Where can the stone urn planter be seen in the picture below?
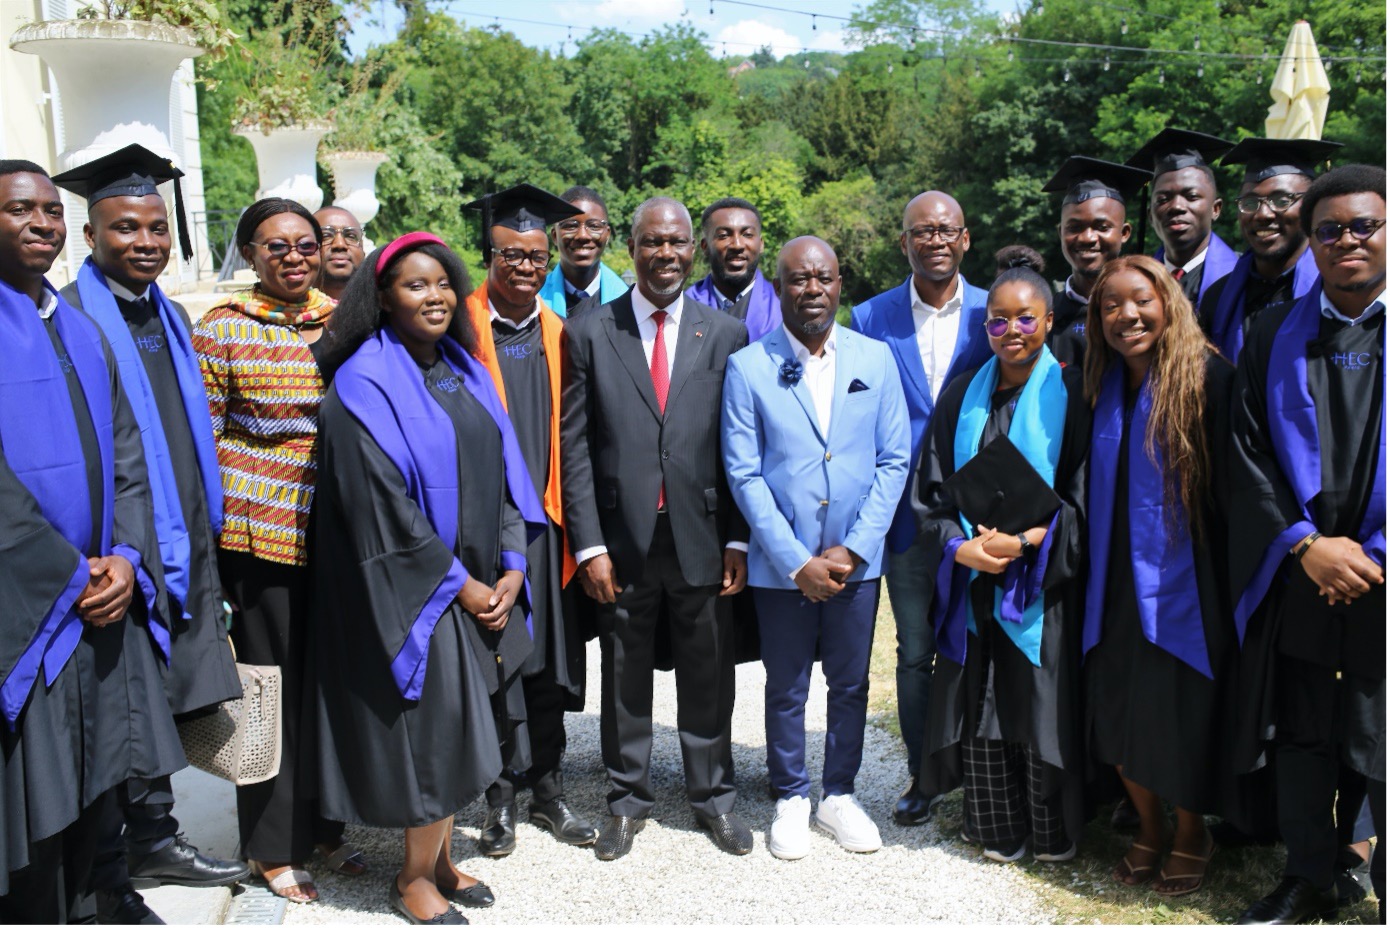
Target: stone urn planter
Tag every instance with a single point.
(114, 78)
(286, 158)
(354, 181)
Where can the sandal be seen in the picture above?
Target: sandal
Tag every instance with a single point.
(1183, 883)
(347, 860)
(284, 883)
(1127, 873)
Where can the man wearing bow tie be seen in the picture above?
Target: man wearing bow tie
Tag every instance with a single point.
(816, 444)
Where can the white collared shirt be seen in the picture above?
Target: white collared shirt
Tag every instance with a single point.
(1331, 312)
(819, 374)
(48, 303)
(129, 296)
(937, 329)
(741, 294)
(590, 290)
(498, 317)
(646, 326)
(1190, 266)
(1071, 291)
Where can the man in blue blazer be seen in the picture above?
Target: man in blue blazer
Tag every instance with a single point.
(934, 324)
(816, 444)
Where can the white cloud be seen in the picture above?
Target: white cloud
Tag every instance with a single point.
(748, 35)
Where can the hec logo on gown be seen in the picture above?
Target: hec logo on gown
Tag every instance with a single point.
(65, 363)
(519, 352)
(1352, 360)
(448, 384)
(151, 343)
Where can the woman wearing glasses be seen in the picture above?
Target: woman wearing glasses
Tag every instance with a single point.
(1003, 539)
(1157, 636)
(258, 351)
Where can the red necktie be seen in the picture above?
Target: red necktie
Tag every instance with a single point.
(1178, 273)
(661, 380)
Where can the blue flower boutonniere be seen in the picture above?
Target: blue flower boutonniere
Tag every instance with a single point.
(791, 372)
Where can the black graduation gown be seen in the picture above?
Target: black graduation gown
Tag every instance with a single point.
(1147, 711)
(1292, 620)
(201, 669)
(1068, 338)
(999, 694)
(1191, 282)
(386, 761)
(1260, 294)
(558, 648)
(105, 719)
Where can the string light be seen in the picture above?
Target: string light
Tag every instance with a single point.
(1160, 75)
(813, 22)
(1124, 25)
(1201, 70)
(1066, 74)
(1106, 66)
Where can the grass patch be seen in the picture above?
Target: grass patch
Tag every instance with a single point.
(1081, 890)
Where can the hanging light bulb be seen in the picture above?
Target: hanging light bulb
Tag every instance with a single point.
(1124, 25)
(1066, 73)
(813, 22)
(1197, 42)
(1011, 54)
(711, 7)
(1106, 66)
(1358, 75)
(1201, 71)
(978, 72)
(1161, 76)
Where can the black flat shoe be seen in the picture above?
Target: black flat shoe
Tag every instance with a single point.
(555, 816)
(729, 832)
(1293, 902)
(477, 896)
(498, 837)
(124, 906)
(914, 809)
(616, 838)
(450, 917)
(182, 864)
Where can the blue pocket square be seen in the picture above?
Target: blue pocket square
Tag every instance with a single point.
(856, 385)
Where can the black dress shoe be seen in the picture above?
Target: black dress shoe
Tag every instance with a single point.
(1293, 902)
(1125, 817)
(615, 840)
(567, 827)
(182, 864)
(477, 896)
(912, 808)
(124, 906)
(451, 916)
(728, 831)
(498, 838)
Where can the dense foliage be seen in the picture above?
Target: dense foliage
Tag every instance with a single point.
(938, 95)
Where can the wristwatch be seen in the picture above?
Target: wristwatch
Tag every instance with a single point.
(1026, 547)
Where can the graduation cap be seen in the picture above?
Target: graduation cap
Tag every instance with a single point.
(1175, 149)
(1266, 158)
(133, 171)
(1083, 178)
(523, 208)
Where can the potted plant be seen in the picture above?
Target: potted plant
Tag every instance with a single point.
(286, 97)
(354, 149)
(142, 41)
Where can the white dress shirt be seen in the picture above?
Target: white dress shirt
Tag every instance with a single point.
(937, 328)
(819, 374)
(1190, 266)
(590, 290)
(1331, 312)
(48, 304)
(1071, 293)
(643, 308)
(495, 316)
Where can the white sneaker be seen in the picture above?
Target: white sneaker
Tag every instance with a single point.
(789, 838)
(844, 818)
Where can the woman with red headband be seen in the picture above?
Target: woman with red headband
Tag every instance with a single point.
(424, 513)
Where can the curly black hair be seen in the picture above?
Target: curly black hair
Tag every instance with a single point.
(359, 314)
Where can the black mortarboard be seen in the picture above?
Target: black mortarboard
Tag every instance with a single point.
(1083, 178)
(1175, 149)
(1265, 158)
(133, 171)
(998, 488)
(523, 208)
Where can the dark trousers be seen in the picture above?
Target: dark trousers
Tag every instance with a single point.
(278, 819)
(53, 888)
(1308, 770)
(910, 583)
(702, 646)
(790, 625)
(545, 728)
(139, 820)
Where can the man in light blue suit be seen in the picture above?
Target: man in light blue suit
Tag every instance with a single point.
(934, 324)
(816, 444)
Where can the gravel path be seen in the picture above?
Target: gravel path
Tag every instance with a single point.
(675, 874)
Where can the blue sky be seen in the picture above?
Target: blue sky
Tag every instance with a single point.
(734, 28)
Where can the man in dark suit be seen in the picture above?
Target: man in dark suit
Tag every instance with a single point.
(652, 524)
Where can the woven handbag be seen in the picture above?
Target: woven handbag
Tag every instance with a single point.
(240, 740)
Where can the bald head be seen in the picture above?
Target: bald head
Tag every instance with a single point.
(808, 288)
(934, 239)
(343, 249)
(663, 207)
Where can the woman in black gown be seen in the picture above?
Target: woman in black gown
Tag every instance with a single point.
(1005, 703)
(424, 505)
(1158, 633)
